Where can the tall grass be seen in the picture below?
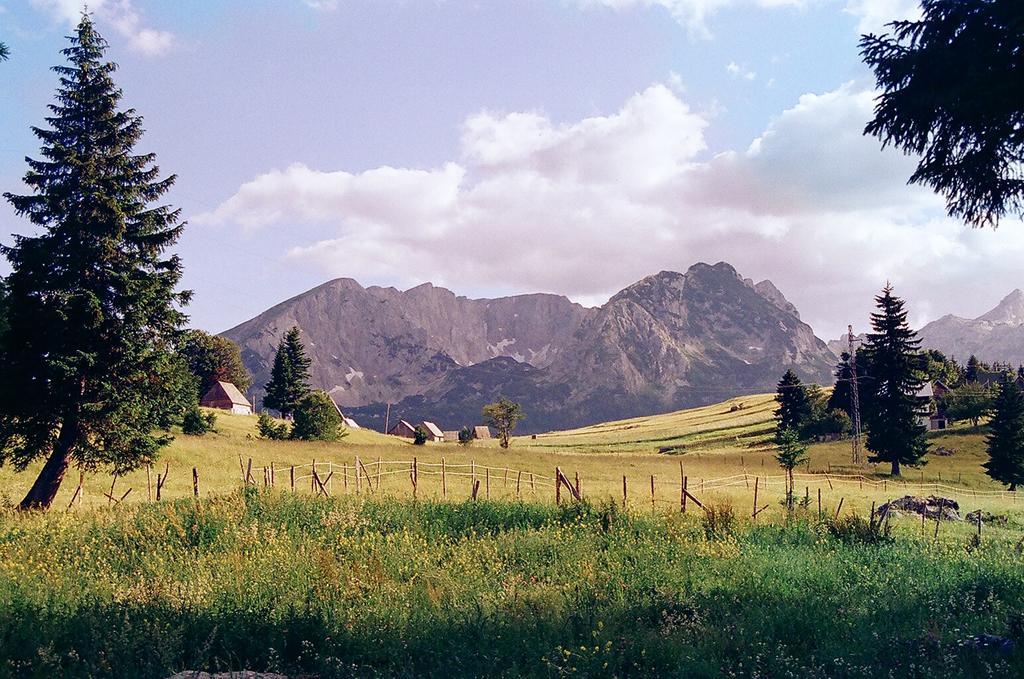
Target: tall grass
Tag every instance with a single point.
(348, 587)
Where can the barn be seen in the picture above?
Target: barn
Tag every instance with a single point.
(481, 432)
(403, 429)
(226, 396)
(434, 432)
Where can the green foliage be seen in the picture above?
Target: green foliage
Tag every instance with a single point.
(269, 428)
(341, 587)
(856, 530)
(794, 405)
(196, 423)
(790, 453)
(317, 418)
(465, 436)
(5, 52)
(419, 436)
(1005, 441)
(970, 401)
(503, 416)
(289, 377)
(937, 367)
(950, 85)
(89, 372)
(894, 433)
(212, 358)
(718, 520)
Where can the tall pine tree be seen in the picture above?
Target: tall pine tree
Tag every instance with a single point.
(794, 404)
(1006, 438)
(894, 433)
(289, 377)
(88, 372)
(841, 397)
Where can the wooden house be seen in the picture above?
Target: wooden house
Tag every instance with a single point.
(403, 429)
(482, 432)
(434, 432)
(226, 396)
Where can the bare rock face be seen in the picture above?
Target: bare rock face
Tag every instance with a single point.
(381, 344)
(668, 341)
(997, 335)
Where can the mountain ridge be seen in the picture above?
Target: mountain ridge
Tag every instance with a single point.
(668, 340)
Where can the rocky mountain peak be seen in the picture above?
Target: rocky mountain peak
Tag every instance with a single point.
(1009, 311)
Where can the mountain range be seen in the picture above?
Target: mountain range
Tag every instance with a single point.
(668, 341)
(997, 335)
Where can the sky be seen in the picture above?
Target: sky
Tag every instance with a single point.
(502, 147)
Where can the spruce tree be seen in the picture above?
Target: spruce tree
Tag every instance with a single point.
(841, 397)
(88, 372)
(289, 377)
(794, 404)
(894, 433)
(1006, 438)
(973, 366)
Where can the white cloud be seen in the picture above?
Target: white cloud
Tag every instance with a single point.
(587, 207)
(737, 71)
(691, 14)
(872, 15)
(120, 14)
(322, 5)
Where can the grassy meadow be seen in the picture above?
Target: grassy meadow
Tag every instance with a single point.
(347, 586)
(373, 583)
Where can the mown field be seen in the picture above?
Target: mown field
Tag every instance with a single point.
(350, 586)
(728, 440)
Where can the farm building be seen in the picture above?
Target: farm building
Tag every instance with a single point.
(225, 396)
(403, 429)
(932, 413)
(481, 432)
(434, 432)
(451, 437)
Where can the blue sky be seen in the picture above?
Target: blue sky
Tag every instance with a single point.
(569, 146)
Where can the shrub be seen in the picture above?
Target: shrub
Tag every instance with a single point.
(317, 418)
(719, 520)
(419, 436)
(855, 529)
(195, 423)
(465, 436)
(269, 428)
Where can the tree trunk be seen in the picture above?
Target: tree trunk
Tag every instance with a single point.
(44, 489)
(895, 468)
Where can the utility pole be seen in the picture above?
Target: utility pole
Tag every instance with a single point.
(854, 395)
(387, 419)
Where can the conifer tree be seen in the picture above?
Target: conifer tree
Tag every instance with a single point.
(1006, 438)
(894, 433)
(88, 372)
(841, 397)
(794, 404)
(973, 366)
(289, 377)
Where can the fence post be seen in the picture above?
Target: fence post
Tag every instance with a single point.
(359, 484)
(819, 504)
(558, 486)
(291, 477)
(533, 486)
(472, 468)
(378, 472)
(625, 495)
(519, 478)
(487, 491)
(757, 483)
(149, 480)
(330, 474)
(578, 493)
(312, 478)
(412, 477)
(195, 481)
(652, 493)
(444, 480)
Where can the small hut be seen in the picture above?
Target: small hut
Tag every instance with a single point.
(226, 396)
(481, 432)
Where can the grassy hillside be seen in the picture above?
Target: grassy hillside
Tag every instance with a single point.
(727, 441)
